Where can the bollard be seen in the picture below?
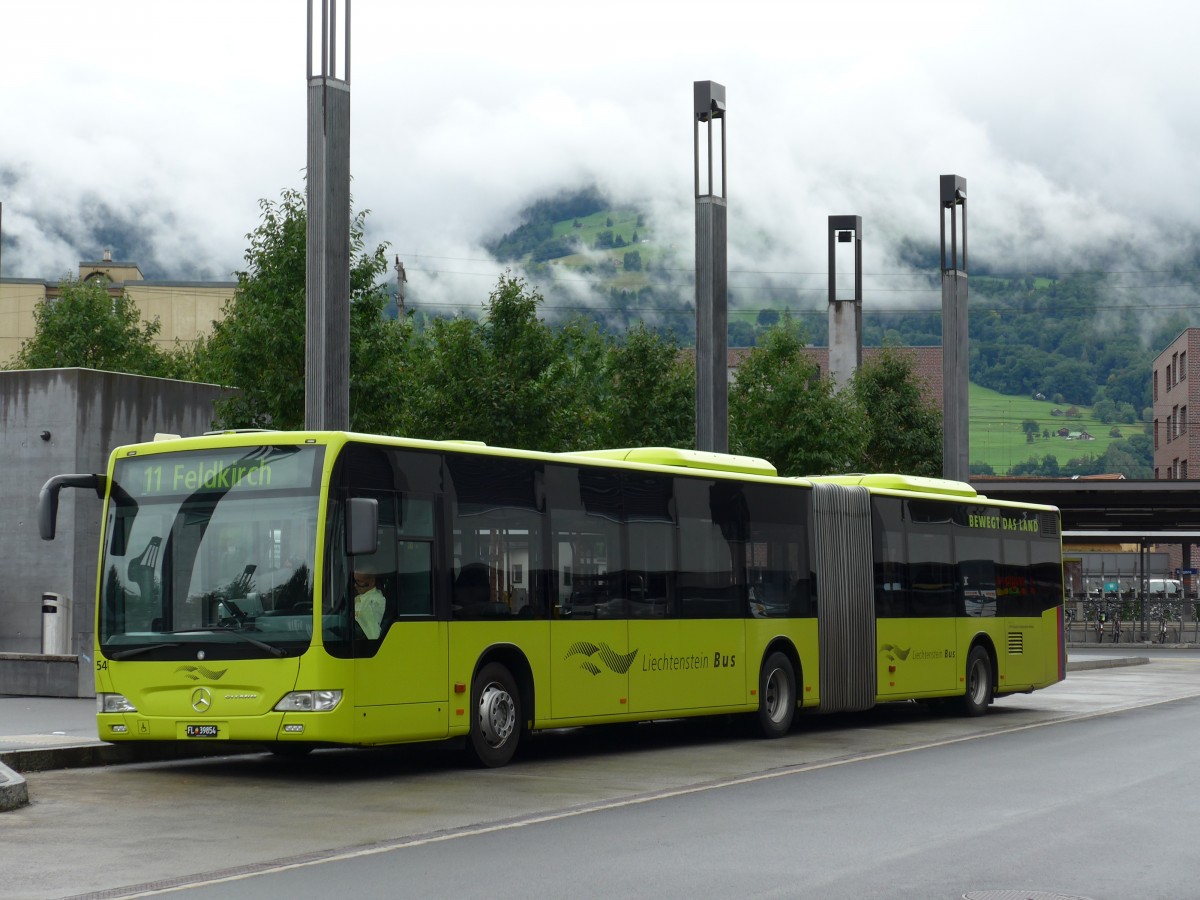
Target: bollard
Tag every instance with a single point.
(56, 624)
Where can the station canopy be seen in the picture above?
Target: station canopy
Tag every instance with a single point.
(1125, 509)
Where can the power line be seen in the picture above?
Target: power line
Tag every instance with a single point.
(867, 314)
(825, 274)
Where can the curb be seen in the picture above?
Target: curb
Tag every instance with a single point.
(1115, 663)
(95, 753)
(13, 791)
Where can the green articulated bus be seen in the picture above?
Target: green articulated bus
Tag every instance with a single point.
(310, 589)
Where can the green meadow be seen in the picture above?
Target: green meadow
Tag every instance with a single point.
(998, 439)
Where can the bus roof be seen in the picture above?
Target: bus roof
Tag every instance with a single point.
(915, 483)
(688, 459)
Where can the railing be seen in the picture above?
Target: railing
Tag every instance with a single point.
(1129, 619)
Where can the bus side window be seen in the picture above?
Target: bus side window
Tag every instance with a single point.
(414, 590)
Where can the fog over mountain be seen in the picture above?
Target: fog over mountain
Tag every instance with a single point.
(154, 129)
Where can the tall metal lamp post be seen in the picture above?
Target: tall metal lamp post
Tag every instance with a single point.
(845, 316)
(712, 316)
(327, 272)
(956, 418)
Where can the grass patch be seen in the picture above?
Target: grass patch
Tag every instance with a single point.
(998, 439)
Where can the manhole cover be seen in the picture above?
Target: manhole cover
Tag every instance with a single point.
(1021, 895)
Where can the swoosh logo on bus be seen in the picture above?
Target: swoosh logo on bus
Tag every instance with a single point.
(616, 662)
(190, 672)
(894, 652)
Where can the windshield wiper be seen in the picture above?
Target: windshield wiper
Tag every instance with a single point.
(134, 651)
(225, 629)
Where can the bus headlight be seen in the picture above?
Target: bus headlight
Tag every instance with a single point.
(113, 703)
(309, 701)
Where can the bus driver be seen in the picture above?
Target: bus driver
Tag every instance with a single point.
(368, 604)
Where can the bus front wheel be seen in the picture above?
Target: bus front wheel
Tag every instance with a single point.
(495, 716)
(776, 696)
(979, 683)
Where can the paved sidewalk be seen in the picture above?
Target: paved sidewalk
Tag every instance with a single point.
(42, 733)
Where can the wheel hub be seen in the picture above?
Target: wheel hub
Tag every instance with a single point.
(497, 714)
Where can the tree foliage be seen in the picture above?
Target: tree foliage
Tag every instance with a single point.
(502, 380)
(258, 346)
(87, 327)
(509, 379)
(783, 410)
(903, 431)
(652, 393)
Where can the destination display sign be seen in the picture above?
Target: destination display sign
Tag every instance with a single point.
(220, 471)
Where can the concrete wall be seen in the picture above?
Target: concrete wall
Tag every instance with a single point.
(56, 421)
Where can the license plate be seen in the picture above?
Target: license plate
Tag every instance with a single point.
(201, 731)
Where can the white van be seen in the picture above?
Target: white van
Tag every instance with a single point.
(1169, 587)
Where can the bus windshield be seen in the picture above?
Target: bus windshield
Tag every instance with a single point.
(210, 550)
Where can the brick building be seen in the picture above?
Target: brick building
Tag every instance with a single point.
(1176, 389)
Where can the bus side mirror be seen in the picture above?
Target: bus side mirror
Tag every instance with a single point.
(362, 526)
(48, 498)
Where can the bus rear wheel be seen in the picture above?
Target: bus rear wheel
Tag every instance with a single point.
(979, 683)
(776, 696)
(495, 716)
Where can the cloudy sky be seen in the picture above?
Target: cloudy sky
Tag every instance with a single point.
(1073, 123)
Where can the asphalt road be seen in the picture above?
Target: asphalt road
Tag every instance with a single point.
(1083, 789)
(1022, 812)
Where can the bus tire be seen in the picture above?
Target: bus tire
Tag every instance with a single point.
(495, 716)
(978, 692)
(776, 696)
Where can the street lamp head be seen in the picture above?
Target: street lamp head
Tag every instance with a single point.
(953, 190)
(709, 100)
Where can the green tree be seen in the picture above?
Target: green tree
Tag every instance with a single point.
(258, 346)
(767, 318)
(781, 409)
(633, 261)
(903, 431)
(87, 327)
(505, 380)
(650, 393)
(1133, 457)
(1031, 428)
(740, 334)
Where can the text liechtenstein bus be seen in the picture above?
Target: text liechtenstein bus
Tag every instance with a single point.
(519, 591)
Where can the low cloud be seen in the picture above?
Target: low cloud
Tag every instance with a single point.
(1075, 134)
